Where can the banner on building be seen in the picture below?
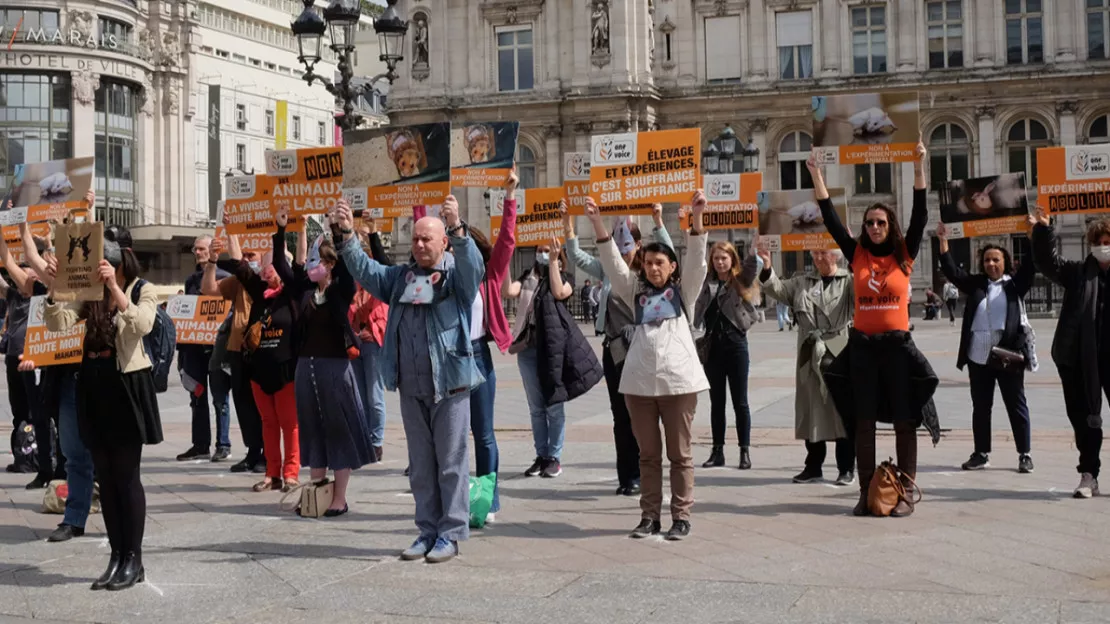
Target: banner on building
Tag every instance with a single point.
(1074, 180)
(731, 202)
(538, 219)
(395, 168)
(214, 173)
(54, 188)
(197, 319)
(792, 221)
(482, 153)
(989, 206)
(576, 181)
(866, 128)
(282, 125)
(47, 348)
(630, 172)
(306, 181)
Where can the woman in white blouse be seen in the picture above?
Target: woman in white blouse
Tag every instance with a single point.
(993, 337)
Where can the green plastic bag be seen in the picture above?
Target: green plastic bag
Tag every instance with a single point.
(481, 498)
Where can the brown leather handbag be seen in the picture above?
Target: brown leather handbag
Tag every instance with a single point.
(888, 488)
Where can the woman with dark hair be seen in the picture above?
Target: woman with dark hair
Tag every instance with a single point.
(993, 326)
(881, 376)
(613, 316)
(117, 410)
(662, 374)
(725, 309)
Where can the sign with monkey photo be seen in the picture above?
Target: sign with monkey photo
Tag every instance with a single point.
(398, 167)
(79, 248)
(482, 153)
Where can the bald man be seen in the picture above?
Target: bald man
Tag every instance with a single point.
(428, 358)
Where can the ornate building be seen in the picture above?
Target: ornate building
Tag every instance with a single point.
(997, 79)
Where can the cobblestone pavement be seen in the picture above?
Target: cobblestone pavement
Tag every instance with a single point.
(990, 546)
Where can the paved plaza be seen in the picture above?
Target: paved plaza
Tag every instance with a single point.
(991, 546)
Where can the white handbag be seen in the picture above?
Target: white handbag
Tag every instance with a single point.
(315, 499)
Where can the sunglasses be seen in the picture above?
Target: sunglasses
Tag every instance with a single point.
(875, 223)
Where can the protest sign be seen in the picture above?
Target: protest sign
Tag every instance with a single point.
(482, 153)
(396, 168)
(308, 180)
(1074, 180)
(866, 128)
(257, 242)
(576, 181)
(47, 348)
(730, 202)
(792, 221)
(57, 186)
(79, 248)
(14, 238)
(630, 172)
(538, 219)
(988, 206)
(250, 206)
(197, 319)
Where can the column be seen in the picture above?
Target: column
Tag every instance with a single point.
(622, 42)
(987, 164)
(84, 85)
(827, 18)
(581, 140)
(1066, 110)
(146, 144)
(554, 157)
(757, 29)
(985, 28)
(907, 34)
(1064, 33)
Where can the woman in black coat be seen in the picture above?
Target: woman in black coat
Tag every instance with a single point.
(992, 321)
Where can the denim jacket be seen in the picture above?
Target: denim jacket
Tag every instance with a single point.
(454, 365)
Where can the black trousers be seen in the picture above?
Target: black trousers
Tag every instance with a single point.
(729, 363)
(1088, 439)
(26, 405)
(250, 421)
(628, 451)
(122, 498)
(1012, 386)
(845, 454)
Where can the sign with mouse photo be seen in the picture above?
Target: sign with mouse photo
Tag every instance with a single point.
(482, 153)
(79, 248)
(989, 206)
(57, 185)
(865, 128)
(397, 167)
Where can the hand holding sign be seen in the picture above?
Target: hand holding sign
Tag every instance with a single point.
(942, 232)
(282, 217)
(697, 208)
(90, 199)
(344, 218)
(511, 182)
(1040, 217)
(657, 214)
(763, 251)
(450, 212)
(215, 249)
(106, 273)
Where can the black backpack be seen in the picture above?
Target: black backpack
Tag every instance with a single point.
(160, 343)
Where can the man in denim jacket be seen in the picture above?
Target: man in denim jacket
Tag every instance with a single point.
(427, 357)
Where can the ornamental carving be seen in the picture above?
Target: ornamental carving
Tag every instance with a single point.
(1067, 107)
(420, 55)
(599, 33)
(84, 84)
(758, 125)
(985, 111)
(170, 53)
(147, 95)
(82, 22)
(584, 127)
(145, 46)
(171, 103)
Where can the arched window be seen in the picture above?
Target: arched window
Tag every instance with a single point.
(526, 166)
(949, 154)
(793, 153)
(1100, 130)
(1022, 141)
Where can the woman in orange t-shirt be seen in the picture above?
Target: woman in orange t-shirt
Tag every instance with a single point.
(881, 376)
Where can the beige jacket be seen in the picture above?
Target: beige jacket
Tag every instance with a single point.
(662, 359)
(131, 325)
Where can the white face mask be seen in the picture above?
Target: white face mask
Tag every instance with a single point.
(1102, 254)
(255, 266)
(542, 258)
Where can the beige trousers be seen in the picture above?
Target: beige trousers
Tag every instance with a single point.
(677, 415)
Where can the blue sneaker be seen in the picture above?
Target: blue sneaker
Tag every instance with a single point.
(444, 550)
(419, 548)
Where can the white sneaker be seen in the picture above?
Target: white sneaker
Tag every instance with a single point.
(1088, 486)
(491, 518)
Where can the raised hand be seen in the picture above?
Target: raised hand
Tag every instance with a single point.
(1039, 217)
(762, 251)
(106, 274)
(216, 248)
(282, 217)
(657, 214)
(450, 212)
(942, 231)
(511, 183)
(343, 217)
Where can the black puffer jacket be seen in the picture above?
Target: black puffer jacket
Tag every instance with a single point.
(567, 365)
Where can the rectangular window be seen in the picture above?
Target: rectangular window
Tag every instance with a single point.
(1024, 35)
(795, 42)
(869, 39)
(240, 117)
(240, 157)
(222, 53)
(514, 59)
(296, 127)
(321, 133)
(1098, 25)
(722, 39)
(944, 21)
(269, 123)
(875, 179)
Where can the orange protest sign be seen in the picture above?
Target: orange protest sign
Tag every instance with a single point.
(395, 168)
(309, 180)
(251, 205)
(197, 319)
(39, 218)
(537, 220)
(576, 181)
(988, 206)
(792, 221)
(482, 153)
(731, 199)
(630, 172)
(1074, 180)
(15, 240)
(256, 242)
(47, 348)
(866, 128)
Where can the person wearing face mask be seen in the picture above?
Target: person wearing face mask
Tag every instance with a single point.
(613, 317)
(662, 374)
(725, 309)
(1081, 345)
(823, 301)
(993, 321)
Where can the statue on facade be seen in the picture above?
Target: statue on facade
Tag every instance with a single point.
(146, 96)
(170, 54)
(172, 100)
(82, 23)
(420, 39)
(84, 84)
(599, 38)
(651, 33)
(144, 48)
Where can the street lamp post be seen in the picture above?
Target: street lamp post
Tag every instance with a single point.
(341, 17)
(720, 156)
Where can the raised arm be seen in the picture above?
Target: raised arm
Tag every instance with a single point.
(589, 264)
(621, 278)
(832, 220)
(560, 289)
(375, 277)
(660, 230)
(959, 277)
(1023, 279)
(31, 254)
(18, 276)
(469, 267)
(378, 250)
(498, 266)
(1047, 258)
(694, 266)
(919, 215)
(209, 281)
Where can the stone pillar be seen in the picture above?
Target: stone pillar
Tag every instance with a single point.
(553, 174)
(145, 143)
(1063, 33)
(985, 29)
(987, 164)
(84, 85)
(827, 18)
(173, 172)
(581, 139)
(757, 29)
(1066, 112)
(907, 34)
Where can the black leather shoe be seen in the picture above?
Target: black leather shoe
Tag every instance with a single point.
(65, 532)
(745, 459)
(259, 467)
(113, 567)
(194, 453)
(632, 489)
(38, 483)
(242, 466)
(716, 458)
(130, 572)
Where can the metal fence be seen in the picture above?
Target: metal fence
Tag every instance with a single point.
(1044, 297)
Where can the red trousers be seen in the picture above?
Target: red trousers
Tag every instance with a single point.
(279, 420)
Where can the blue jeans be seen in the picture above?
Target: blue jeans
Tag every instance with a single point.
(79, 462)
(486, 457)
(548, 423)
(372, 390)
(196, 366)
(783, 312)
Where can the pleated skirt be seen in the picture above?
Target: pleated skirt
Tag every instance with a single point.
(333, 429)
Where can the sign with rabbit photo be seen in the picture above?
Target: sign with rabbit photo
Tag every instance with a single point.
(866, 128)
(79, 248)
(394, 168)
(58, 184)
(482, 153)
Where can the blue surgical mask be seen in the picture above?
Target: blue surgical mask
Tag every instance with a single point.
(542, 258)
(255, 266)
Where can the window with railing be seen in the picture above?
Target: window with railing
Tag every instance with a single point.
(115, 35)
(34, 120)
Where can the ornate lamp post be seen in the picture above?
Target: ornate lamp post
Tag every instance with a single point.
(721, 154)
(341, 17)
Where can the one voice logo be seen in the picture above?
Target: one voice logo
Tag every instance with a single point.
(578, 166)
(614, 149)
(722, 187)
(281, 162)
(1089, 162)
(240, 187)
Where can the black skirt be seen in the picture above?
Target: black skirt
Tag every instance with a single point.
(115, 408)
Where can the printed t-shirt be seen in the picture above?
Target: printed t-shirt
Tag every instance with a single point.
(882, 293)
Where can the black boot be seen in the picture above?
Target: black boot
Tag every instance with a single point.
(745, 459)
(716, 457)
(113, 566)
(130, 572)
